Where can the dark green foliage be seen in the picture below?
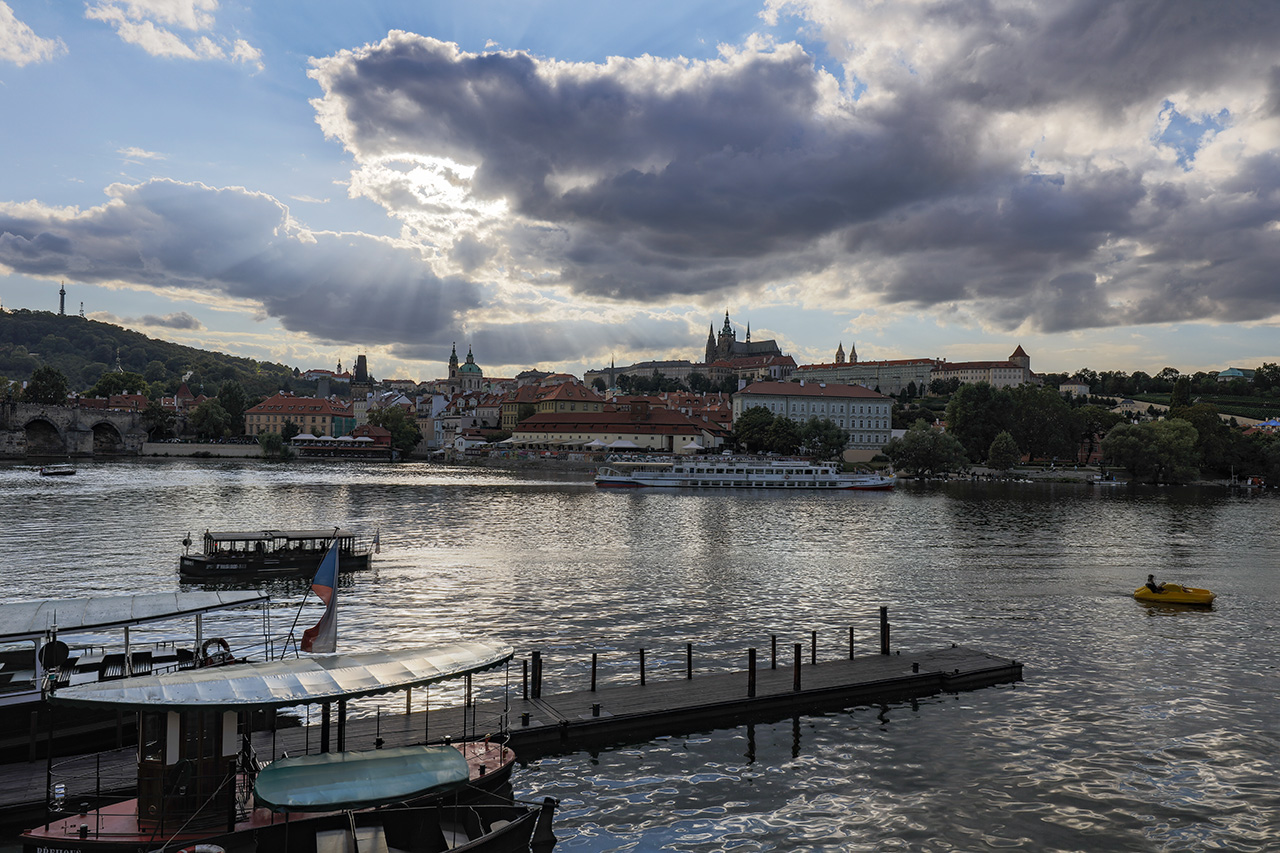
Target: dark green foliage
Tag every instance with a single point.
(925, 450)
(978, 413)
(405, 435)
(1003, 453)
(823, 438)
(232, 398)
(751, 430)
(209, 420)
(47, 385)
(158, 421)
(84, 350)
(1155, 451)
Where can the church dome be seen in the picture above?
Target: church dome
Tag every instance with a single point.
(470, 367)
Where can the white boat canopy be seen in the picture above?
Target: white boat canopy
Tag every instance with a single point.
(297, 681)
(359, 780)
(25, 620)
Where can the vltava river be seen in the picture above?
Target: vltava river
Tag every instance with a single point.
(1137, 728)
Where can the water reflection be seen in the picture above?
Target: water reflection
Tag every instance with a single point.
(1138, 727)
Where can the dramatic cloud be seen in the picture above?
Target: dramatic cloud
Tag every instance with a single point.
(146, 24)
(177, 320)
(1048, 166)
(164, 234)
(20, 45)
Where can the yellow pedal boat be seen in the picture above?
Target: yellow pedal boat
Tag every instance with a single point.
(1174, 594)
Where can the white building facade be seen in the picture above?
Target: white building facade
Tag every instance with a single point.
(863, 414)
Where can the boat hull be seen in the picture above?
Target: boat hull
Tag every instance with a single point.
(739, 473)
(222, 567)
(1175, 594)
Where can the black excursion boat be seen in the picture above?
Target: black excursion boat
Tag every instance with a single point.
(267, 554)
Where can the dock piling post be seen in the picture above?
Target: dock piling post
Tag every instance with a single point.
(594, 656)
(595, 709)
(773, 655)
(642, 667)
(537, 675)
(850, 642)
(915, 667)
(884, 630)
(796, 682)
(688, 661)
(751, 673)
(813, 649)
(525, 678)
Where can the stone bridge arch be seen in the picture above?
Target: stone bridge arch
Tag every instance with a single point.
(45, 439)
(107, 440)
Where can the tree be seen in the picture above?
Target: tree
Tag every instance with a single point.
(751, 429)
(976, 414)
(48, 385)
(289, 430)
(1003, 453)
(1266, 376)
(110, 383)
(525, 411)
(273, 446)
(1043, 423)
(924, 450)
(699, 382)
(405, 434)
(209, 420)
(784, 436)
(1181, 392)
(599, 385)
(823, 438)
(1092, 423)
(158, 421)
(232, 397)
(1156, 451)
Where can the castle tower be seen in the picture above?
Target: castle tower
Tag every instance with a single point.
(711, 345)
(453, 362)
(853, 354)
(1021, 358)
(840, 353)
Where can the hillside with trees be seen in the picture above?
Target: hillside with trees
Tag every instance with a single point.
(85, 352)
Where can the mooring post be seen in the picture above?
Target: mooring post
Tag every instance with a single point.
(594, 655)
(796, 683)
(324, 728)
(642, 667)
(342, 725)
(813, 649)
(688, 661)
(850, 642)
(773, 652)
(525, 679)
(751, 673)
(537, 675)
(884, 630)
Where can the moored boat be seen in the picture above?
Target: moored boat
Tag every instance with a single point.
(199, 783)
(269, 554)
(1172, 593)
(738, 472)
(59, 470)
(57, 643)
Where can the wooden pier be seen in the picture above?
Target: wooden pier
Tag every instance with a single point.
(542, 723)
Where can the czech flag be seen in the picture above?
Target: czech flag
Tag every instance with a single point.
(323, 637)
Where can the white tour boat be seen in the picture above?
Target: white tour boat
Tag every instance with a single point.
(737, 472)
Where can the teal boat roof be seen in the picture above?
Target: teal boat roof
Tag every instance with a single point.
(297, 681)
(357, 780)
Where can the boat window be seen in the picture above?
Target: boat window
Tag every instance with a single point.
(154, 727)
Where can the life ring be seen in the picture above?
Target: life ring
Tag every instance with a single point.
(223, 653)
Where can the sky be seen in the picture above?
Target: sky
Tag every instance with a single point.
(560, 184)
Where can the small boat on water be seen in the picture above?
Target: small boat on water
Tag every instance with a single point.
(201, 787)
(271, 554)
(64, 469)
(1172, 593)
(738, 472)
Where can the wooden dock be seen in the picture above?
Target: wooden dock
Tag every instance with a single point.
(566, 721)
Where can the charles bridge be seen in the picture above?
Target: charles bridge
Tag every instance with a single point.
(35, 429)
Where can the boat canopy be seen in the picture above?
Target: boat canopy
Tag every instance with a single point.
(297, 681)
(25, 620)
(268, 535)
(357, 780)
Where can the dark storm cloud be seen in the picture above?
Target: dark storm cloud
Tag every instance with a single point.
(340, 287)
(669, 178)
(176, 320)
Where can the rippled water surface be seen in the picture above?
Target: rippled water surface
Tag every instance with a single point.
(1137, 727)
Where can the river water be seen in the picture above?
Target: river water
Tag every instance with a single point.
(1136, 728)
